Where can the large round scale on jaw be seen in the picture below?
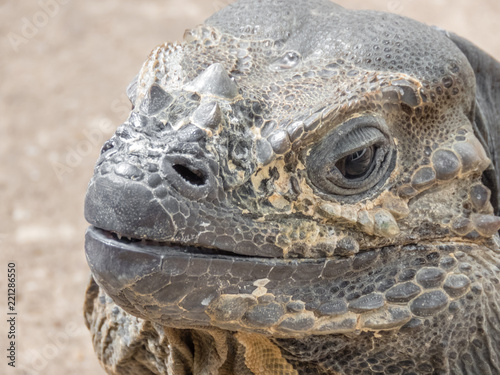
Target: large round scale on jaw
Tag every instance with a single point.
(446, 164)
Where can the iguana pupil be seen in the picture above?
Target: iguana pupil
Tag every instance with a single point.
(358, 164)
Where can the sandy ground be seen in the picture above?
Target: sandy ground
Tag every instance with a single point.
(63, 72)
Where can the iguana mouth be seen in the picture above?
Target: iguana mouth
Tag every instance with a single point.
(154, 246)
(186, 286)
(161, 248)
(146, 277)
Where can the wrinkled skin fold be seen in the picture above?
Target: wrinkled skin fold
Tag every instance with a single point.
(301, 189)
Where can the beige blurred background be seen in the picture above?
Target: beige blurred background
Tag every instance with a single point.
(62, 85)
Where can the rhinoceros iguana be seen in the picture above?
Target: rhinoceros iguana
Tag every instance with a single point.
(301, 189)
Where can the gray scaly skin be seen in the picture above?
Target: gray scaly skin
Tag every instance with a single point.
(301, 189)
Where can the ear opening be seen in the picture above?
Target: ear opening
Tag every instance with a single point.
(487, 113)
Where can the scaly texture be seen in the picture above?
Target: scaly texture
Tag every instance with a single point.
(301, 189)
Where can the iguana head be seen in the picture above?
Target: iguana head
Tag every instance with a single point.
(294, 169)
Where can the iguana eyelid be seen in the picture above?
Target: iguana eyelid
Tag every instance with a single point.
(357, 140)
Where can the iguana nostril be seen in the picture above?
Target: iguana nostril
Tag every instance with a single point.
(192, 176)
(189, 175)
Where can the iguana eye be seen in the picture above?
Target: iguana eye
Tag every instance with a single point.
(354, 158)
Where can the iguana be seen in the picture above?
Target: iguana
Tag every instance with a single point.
(301, 189)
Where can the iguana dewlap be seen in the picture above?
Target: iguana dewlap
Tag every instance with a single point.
(301, 189)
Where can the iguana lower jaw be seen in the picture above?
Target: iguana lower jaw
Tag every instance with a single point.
(187, 287)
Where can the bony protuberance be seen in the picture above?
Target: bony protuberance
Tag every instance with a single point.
(214, 81)
(486, 225)
(460, 160)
